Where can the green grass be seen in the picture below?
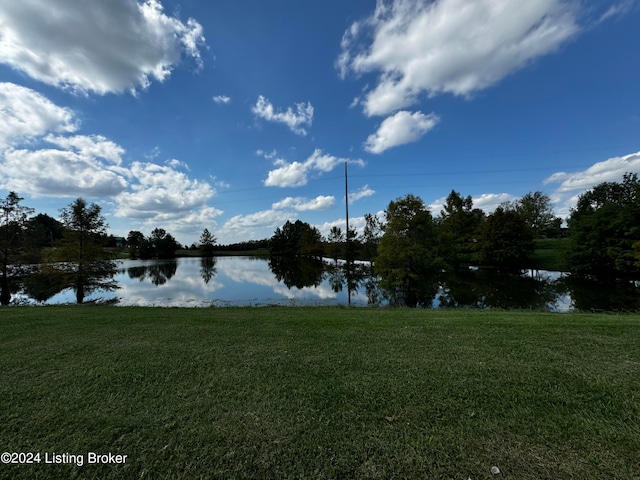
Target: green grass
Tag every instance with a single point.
(551, 254)
(321, 392)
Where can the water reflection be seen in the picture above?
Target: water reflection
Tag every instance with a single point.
(157, 272)
(256, 281)
(491, 289)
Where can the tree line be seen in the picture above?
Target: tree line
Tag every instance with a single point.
(70, 252)
(408, 244)
(603, 235)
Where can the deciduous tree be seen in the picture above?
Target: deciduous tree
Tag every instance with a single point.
(506, 240)
(407, 260)
(459, 226)
(604, 227)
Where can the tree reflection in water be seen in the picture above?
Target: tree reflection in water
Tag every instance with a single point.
(208, 268)
(297, 272)
(158, 273)
(335, 282)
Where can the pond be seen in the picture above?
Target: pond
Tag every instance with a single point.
(243, 281)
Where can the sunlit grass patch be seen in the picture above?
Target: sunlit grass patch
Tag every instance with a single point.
(321, 392)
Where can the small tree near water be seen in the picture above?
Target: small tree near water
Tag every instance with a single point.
(13, 218)
(86, 263)
(207, 243)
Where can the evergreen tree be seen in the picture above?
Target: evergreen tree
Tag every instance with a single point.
(13, 220)
(87, 263)
(207, 243)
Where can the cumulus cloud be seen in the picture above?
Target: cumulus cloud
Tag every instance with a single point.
(301, 204)
(254, 225)
(221, 99)
(94, 146)
(295, 120)
(571, 185)
(100, 47)
(267, 155)
(487, 202)
(161, 191)
(25, 114)
(362, 192)
(82, 165)
(610, 170)
(296, 174)
(403, 127)
(428, 47)
(63, 173)
(355, 223)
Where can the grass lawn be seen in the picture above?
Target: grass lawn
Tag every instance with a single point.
(320, 393)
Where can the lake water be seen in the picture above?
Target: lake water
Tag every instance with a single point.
(242, 281)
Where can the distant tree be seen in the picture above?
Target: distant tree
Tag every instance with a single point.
(44, 230)
(163, 244)
(138, 245)
(90, 265)
(506, 240)
(458, 228)
(207, 243)
(296, 239)
(407, 261)
(335, 239)
(604, 229)
(13, 221)
(352, 245)
(536, 210)
(373, 230)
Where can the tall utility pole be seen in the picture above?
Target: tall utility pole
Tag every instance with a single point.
(346, 198)
(346, 204)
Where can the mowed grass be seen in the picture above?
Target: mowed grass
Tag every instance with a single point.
(321, 393)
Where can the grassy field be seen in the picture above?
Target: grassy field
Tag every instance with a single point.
(320, 393)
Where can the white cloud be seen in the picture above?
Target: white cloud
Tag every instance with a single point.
(610, 170)
(60, 173)
(255, 225)
(161, 192)
(403, 127)
(355, 223)
(161, 196)
(573, 184)
(296, 174)
(618, 9)
(449, 46)
(303, 115)
(25, 114)
(362, 192)
(221, 99)
(268, 156)
(95, 146)
(302, 204)
(487, 202)
(175, 163)
(98, 47)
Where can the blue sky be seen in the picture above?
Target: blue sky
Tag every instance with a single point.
(238, 116)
